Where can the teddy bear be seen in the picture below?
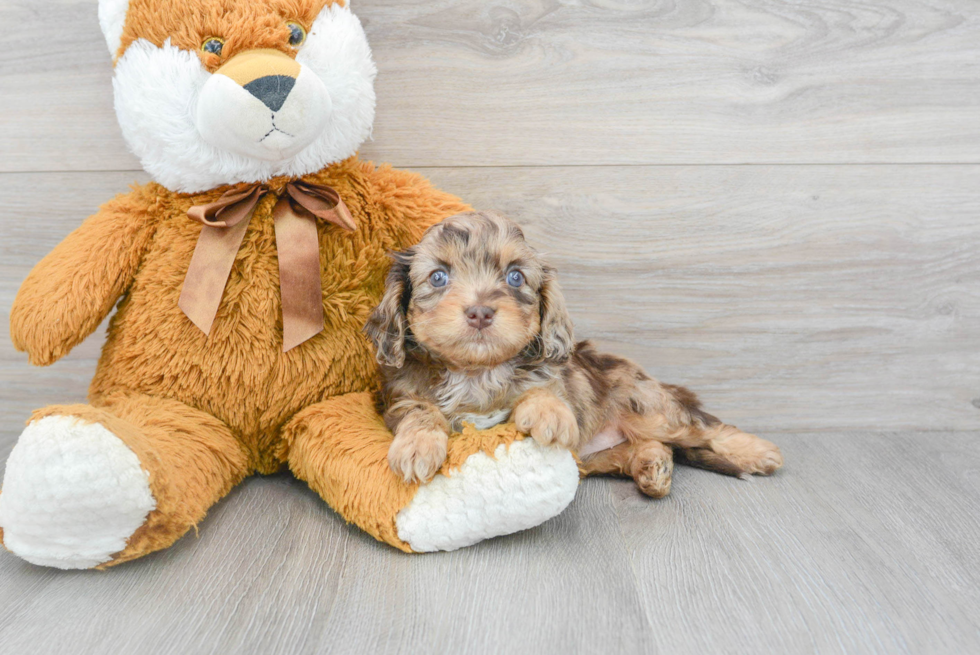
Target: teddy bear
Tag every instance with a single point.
(241, 278)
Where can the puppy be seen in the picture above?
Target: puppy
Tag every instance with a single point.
(473, 328)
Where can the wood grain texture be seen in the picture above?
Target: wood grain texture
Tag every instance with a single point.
(542, 82)
(792, 298)
(861, 542)
(865, 543)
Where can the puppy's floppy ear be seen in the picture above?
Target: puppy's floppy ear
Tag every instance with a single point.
(389, 321)
(557, 333)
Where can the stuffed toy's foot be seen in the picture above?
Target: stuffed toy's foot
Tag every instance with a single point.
(73, 494)
(517, 487)
(493, 483)
(89, 487)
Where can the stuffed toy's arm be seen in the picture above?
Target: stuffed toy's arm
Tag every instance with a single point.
(75, 286)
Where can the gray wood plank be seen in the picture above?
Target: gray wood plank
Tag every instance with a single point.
(854, 547)
(465, 82)
(864, 543)
(516, 593)
(791, 298)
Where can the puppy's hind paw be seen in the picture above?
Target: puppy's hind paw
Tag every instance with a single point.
(653, 470)
(654, 480)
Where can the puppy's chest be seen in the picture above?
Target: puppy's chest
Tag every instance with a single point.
(484, 398)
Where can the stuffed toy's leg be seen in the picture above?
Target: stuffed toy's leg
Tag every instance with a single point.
(493, 483)
(90, 487)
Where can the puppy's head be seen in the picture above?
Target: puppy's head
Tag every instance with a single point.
(472, 294)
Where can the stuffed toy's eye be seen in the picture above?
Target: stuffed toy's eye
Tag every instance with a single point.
(439, 279)
(213, 45)
(515, 279)
(297, 35)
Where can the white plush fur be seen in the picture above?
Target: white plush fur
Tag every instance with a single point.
(158, 91)
(520, 487)
(112, 18)
(73, 494)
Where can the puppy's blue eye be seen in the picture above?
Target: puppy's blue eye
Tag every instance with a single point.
(438, 279)
(515, 279)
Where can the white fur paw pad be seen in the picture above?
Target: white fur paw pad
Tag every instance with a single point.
(73, 494)
(522, 487)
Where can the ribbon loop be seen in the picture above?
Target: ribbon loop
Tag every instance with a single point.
(231, 208)
(323, 202)
(225, 222)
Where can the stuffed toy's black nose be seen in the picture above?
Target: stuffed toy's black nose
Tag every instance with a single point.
(272, 90)
(479, 317)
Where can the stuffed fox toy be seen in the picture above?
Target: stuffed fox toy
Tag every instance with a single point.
(242, 277)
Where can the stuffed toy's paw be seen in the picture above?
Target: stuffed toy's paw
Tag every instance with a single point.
(92, 487)
(73, 494)
(517, 487)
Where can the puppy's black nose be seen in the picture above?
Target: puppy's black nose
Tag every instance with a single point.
(272, 90)
(479, 317)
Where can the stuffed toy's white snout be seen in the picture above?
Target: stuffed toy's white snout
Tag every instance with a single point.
(263, 104)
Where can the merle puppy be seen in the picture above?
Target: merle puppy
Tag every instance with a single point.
(473, 328)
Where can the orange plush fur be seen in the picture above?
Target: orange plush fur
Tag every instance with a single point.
(242, 26)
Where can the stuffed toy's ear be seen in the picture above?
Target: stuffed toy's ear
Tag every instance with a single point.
(389, 322)
(112, 17)
(557, 333)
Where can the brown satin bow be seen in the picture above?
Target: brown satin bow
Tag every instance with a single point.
(225, 222)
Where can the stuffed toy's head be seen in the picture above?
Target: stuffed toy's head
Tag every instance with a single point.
(216, 92)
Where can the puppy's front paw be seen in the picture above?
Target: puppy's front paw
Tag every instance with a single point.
(548, 420)
(417, 453)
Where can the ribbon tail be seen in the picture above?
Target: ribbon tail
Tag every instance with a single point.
(208, 273)
(343, 216)
(298, 249)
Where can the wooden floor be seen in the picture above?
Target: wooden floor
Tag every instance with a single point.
(775, 202)
(857, 547)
